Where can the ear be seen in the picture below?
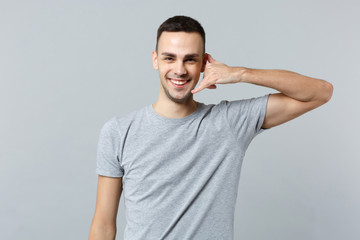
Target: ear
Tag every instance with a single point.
(154, 60)
(205, 59)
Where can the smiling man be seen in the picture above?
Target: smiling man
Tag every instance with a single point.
(180, 58)
(178, 161)
(179, 63)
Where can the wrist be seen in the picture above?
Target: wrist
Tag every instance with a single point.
(240, 73)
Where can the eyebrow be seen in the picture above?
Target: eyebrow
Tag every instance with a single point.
(192, 55)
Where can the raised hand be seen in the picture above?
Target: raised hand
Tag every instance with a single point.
(216, 73)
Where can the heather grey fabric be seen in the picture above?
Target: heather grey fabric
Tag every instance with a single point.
(180, 176)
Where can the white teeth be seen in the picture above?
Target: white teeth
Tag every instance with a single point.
(178, 82)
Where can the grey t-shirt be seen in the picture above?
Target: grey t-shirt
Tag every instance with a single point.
(180, 176)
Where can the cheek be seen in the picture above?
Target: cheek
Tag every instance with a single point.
(196, 70)
(164, 69)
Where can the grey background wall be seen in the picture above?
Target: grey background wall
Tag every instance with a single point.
(66, 67)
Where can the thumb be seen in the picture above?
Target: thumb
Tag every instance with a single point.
(201, 86)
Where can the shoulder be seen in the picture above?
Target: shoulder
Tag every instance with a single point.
(119, 122)
(247, 101)
(242, 104)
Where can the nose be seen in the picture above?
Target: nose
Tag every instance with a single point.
(180, 69)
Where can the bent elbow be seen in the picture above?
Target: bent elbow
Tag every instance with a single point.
(327, 90)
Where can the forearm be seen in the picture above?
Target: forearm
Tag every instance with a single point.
(102, 232)
(292, 84)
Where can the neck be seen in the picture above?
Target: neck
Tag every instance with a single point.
(170, 109)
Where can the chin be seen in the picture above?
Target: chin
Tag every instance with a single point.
(184, 99)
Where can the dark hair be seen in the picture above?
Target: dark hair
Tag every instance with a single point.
(180, 24)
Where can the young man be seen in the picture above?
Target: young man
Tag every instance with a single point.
(178, 160)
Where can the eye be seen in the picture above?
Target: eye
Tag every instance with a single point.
(168, 59)
(190, 60)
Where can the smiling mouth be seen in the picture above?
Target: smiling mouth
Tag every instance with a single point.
(178, 83)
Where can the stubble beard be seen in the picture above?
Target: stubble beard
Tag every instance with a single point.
(176, 100)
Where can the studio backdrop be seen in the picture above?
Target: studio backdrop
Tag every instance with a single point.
(67, 67)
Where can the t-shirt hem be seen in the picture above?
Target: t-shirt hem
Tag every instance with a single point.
(263, 114)
(108, 174)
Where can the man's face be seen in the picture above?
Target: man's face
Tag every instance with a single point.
(180, 60)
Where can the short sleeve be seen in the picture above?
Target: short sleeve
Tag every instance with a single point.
(108, 163)
(246, 117)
